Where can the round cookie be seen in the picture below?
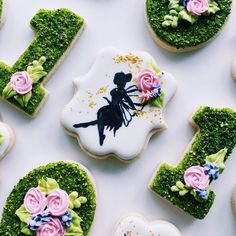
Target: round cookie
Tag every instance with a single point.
(44, 200)
(185, 25)
(7, 139)
(134, 225)
(118, 105)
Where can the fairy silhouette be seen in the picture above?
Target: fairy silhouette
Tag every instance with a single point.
(118, 112)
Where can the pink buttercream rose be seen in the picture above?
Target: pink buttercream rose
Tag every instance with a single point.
(145, 96)
(58, 202)
(147, 79)
(51, 228)
(197, 7)
(35, 201)
(21, 82)
(195, 178)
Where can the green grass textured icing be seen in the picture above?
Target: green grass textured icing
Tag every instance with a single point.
(55, 31)
(70, 177)
(186, 34)
(217, 130)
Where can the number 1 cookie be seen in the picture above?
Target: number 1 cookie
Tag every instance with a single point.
(185, 25)
(7, 139)
(134, 225)
(118, 105)
(22, 84)
(45, 203)
(188, 185)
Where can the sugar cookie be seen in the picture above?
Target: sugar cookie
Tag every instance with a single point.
(22, 84)
(185, 25)
(188, 185)
(7, 139)
(134, 225)
(118, 104)
(46, 203)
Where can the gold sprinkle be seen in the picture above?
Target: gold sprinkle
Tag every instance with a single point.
(92, 104)
(102, 90)
(131, 58)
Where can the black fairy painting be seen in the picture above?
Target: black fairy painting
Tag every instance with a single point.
(120, 109)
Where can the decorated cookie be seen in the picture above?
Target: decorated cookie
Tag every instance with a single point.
(7, 139)
(45, 203)
(185, 25)
(3, 5)
(233, 69)
(134, 225)
(118, 104)
(188, 185)
(22, 84)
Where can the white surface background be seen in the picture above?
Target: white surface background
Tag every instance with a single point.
(203, 79)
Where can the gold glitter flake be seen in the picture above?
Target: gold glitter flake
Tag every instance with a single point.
(92, 104)
(102, 90)
(131, 58)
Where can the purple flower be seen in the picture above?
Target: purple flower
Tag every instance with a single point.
(202, 193)
(66, 219)
(212, 169)
(35, 222)
(184, 2)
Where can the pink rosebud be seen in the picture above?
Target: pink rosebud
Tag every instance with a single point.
(145, 96)
(147, 79)
(58, 202)
(195, 178)
(35, 201)
(21, 82)
(51, 228)
(197, 7)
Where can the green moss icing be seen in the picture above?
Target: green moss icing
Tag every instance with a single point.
(217, 130)
(55, 31)
(1, 8)
(76, 180)
(186, 35)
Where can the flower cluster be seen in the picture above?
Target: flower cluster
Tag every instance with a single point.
(21, 83)
(198, 178)
(188, 10)
(149, 85)
(48, 210)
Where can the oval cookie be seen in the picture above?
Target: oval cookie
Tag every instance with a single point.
(185, 25)
(118, 104)
(134, 225)
(46, 203)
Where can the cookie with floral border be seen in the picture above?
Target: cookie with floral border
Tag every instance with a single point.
(22, 84)
(188, 185)
(7, 139)
(118, 105)
(186, 25)
(45, 203)
(134, 224)
(3, 10)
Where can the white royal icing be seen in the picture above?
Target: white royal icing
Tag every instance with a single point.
(4, 130)
(128, 142)
(136, 226)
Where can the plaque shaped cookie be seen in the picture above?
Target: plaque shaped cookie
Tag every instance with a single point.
(188, 185)
(45, 203)
(118, 105)
(22, 84)
(7, 139)
(134, 225)
(185, 25)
